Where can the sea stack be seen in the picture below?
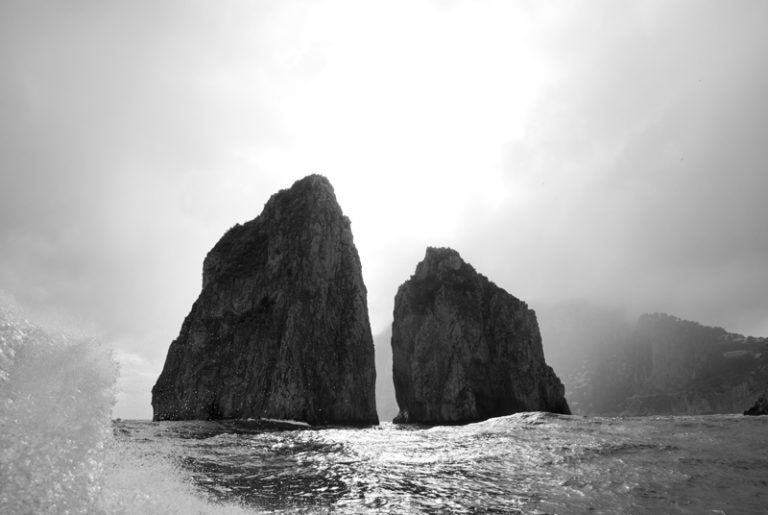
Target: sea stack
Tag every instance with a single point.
(465, 350)
(280, 329)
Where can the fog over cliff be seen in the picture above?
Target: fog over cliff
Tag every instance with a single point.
(589, 157)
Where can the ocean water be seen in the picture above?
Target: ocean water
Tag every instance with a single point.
(524, 463)
(61, 453)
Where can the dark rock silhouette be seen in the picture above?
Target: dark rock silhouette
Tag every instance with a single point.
(465, 350)
(669, 366)
(760, 407)
(280, 329)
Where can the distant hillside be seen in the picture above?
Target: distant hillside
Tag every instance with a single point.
(576, 338)
(671, 366)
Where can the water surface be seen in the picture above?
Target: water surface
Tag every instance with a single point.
(524, 463)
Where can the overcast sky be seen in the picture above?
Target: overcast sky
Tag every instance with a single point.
(606, 152)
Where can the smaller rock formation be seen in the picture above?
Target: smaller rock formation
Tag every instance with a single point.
(760, 407)
(465, 350)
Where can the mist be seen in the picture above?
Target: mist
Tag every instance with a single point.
(606, 156)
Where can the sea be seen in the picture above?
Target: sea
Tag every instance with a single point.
(61, 453)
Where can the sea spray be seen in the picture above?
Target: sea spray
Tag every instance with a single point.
(56, 397)
(145, 480)
(58, 453)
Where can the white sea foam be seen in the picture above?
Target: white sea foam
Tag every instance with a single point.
(57, 449)
(134, 482)
(286, 421)
(55, 401)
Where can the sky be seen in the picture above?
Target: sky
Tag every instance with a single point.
(610, 152)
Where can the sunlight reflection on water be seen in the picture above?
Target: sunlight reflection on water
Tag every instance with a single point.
(525, 463)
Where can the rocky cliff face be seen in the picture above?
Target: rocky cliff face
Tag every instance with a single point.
(673, 366)
(464, 349)
(280, 329)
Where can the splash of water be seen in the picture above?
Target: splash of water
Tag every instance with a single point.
(58, 453)
(56, 396)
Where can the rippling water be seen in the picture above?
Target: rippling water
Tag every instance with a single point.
(59, 453)
(525, 463)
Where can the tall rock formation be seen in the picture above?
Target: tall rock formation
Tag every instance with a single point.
(280, 329)
(465, 350)
(669, 366)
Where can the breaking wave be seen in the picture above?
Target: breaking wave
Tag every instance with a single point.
(58, 453)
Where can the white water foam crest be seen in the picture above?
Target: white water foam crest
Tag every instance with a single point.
(56, 396)
(58, 453)
(136, 482)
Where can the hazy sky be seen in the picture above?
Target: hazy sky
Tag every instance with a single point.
(601, 151)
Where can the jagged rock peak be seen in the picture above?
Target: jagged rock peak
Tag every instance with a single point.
(464, 349)
(302, 212)
(439, 262)
(280, 329)
(314, 189)
(445, 265)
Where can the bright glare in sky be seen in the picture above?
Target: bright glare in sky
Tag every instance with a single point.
(409, 116)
